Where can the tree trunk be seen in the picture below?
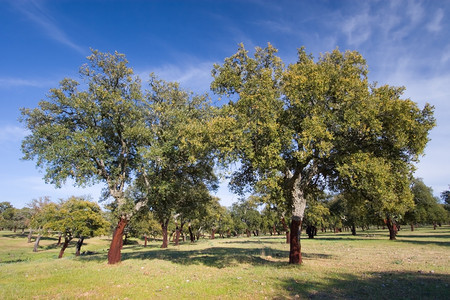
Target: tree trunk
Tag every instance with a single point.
(213, 233)
(59, 239)
(295, 254)
(145, 243)
(164, 233)
(353, 229)
(310, 231)
(114, 255)
(298, 211)
(177, 236)
(64, 246)
(36, 243)
(288, 236)
(412, 227)
(78, 247)
(392, 228)
(30, 235)
(191, 234)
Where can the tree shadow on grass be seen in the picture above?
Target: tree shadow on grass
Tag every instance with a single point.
(426, 236)
(217, 257)
(17, 235)
(374, 285)
(413, 241)
(254, 241)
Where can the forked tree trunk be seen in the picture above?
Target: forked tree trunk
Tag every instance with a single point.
(164, 233)
(295, 254)
(36, 243)
(78, 247)
(114, 255)
(64, 246)
(392, 228)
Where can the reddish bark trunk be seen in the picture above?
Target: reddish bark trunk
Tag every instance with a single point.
(288, 236)
(64, 246)
(79, 244)
(412, 227)
(145, 237)
(164, 233)
(295, 254)
(213, 234)
(248, 233)
(114, 255)
(392, 228)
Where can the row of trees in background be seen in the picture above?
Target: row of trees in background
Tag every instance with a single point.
(292, 131)
(80, 218)
(72, 218)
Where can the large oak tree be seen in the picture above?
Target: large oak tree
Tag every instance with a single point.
(318, 124)
(91, 132)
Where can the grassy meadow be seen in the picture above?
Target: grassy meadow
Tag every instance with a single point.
(335, 266)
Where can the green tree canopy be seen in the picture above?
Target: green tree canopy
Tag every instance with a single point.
(91, 132)
(316, 124)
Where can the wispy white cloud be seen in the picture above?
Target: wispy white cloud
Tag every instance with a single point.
(445, 55)
(435, 24)
(358, 28)
(196, 77)
(10, 133)
(36, 12)
(8, 82)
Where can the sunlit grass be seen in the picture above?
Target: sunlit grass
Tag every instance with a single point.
(416, 266)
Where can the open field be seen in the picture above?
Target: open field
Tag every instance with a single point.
(336, 266)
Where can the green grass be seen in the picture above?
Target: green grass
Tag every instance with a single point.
(335, 266)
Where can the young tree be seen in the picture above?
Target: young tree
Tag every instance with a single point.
(296, 130)
(76, 217)
(93, 134)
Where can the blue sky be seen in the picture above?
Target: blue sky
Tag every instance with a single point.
(406, 43)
